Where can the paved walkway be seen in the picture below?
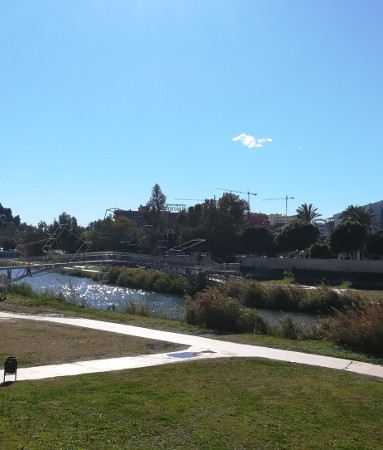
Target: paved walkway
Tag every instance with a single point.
(198, 348)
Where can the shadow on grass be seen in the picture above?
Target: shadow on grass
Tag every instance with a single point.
(7, 383)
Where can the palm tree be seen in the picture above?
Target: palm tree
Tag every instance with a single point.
(359, 214)
(307, 213)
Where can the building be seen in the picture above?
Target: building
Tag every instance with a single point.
(325, 226)
(280, 220)
(138, 217)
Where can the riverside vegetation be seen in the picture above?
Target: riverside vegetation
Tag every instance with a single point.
(139, 278)
(353, 320)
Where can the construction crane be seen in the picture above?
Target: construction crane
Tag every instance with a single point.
(248, 193)
(190, 199)
(195, 199)
(286, 199)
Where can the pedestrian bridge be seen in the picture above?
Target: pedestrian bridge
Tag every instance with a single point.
(186, 265)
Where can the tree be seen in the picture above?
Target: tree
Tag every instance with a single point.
(256, 240)
(234, 206)
(223, 221)
(374, 246)
(219, 222)
(157, 201)
(297, 236)
(307, 213)
(358, 214)
(320, 250)
(68, 231)
(9, 227)
(33, 241)
(155, 206)
(118, 234)
(348, 237)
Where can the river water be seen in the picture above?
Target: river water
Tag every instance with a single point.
(93, 294)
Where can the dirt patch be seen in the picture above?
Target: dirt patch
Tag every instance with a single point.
(38, 343)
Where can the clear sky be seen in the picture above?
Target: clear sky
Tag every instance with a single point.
(100, 99)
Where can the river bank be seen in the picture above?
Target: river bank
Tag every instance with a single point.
(53, 305)
(232, 307)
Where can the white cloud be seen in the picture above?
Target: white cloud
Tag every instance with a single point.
(250, 141)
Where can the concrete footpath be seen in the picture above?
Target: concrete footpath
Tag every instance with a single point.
(198, 348)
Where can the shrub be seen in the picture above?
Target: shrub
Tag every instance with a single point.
(113, 275)
(289, 328)
(256, 296)
(284, 298)
(140, 309)
(250, 321)
(358, 328)
(213, 309)
(324, 300)
(147, 279)
(22, 289)
(234, 289)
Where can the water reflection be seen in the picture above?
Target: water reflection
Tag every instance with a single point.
(86, 292)
(93, 294)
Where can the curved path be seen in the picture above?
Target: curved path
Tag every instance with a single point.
(198, 348)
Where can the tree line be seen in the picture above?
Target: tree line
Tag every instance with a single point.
(223, 228)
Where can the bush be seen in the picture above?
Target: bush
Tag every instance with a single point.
(147, 279)
(285, 298)
(250, 321)
(113, 275)
(213, 309)
(26, 291)
(359, 328)
(289, 328)
(324, 300)
(234, 289)
(140, 309)
(22, 289)
(256, 296)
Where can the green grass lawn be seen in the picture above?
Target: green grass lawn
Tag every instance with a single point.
(215, 404)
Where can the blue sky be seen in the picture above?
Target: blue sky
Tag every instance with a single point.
(100, 99)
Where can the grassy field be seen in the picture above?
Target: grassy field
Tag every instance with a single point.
(216, 404)
(37, 343)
